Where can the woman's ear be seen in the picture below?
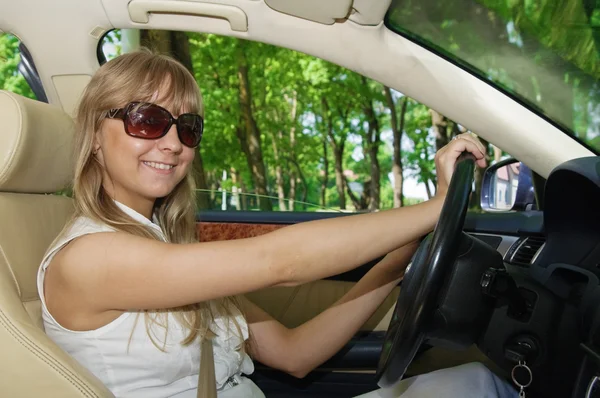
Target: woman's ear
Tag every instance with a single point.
(97, 142)
(96, 150)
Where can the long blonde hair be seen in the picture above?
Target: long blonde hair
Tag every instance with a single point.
(138, 76)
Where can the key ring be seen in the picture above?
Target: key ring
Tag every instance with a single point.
(522, 387)
(521, 364)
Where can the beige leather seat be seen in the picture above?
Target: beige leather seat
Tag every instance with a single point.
(35, 161)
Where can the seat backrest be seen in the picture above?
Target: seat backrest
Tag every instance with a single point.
(35, 162)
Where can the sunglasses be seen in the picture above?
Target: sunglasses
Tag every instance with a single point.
(149, 121)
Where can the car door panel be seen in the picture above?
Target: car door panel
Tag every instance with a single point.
(215, 231)
(295, 305)
(505, 223)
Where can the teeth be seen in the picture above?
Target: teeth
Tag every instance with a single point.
(159, 166)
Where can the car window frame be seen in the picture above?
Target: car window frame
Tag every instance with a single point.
(27, 68)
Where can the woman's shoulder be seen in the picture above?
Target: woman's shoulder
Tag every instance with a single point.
(76, 228)
(83, 225)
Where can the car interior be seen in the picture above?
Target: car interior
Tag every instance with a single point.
(505, 288)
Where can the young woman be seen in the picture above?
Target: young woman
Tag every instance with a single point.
(127, 290)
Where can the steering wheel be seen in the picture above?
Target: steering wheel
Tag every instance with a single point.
(425, 277)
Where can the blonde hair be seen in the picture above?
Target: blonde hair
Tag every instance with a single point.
(138, 76)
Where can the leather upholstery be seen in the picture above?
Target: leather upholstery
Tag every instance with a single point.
(33, 140)
(295, 305)
(35, 145)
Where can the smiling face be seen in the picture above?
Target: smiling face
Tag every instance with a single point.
(139, 171)
(134, 171)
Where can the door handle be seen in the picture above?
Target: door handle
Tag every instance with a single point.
(139, 11)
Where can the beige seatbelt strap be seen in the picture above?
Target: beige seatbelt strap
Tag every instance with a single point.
(207, 384)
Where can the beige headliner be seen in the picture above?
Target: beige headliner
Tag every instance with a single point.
(63, 35)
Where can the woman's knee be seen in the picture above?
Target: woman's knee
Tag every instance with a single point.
(488, 380)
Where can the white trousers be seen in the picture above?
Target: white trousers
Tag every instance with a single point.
(472, 380)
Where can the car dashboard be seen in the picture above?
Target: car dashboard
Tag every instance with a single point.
(554, 258)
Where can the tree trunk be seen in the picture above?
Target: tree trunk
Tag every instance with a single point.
(177, 45)
(279, 173)
(157, 41)
(356, 202)
(250, 135)
(213, 187)
(241, 190)
(374, 140)
(428, 190)
(293, 178)
(302, 179)
(375, 185)
(439, 124)
(338, 154)
(235, 177)
(339, 175)
(304, 189)
(292, 193)
(325, 179)
(365, 197)
(181, 49)
(397, 130)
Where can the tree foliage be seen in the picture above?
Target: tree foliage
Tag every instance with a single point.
(288, 131)
(10, 78)
(545, 52)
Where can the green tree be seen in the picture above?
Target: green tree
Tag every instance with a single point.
(544, 51)
(10, 78)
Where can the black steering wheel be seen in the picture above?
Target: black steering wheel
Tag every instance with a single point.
(425, 278)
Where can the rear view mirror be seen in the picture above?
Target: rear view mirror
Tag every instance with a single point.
(507, 186)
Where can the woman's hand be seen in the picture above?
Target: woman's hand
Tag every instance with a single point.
(445, 159)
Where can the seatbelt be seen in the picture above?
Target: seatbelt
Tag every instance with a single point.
(207, 383)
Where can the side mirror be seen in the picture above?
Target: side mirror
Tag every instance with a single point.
(507, 186)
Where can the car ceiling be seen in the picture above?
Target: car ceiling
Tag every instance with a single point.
(63, 36)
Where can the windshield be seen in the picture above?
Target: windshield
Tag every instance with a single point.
(544, 53)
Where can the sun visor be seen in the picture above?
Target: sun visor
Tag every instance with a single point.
(325, 12)
(369, 12)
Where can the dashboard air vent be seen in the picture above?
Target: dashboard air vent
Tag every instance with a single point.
(525, 250)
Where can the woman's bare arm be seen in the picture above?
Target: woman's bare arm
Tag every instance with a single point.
(117, 271)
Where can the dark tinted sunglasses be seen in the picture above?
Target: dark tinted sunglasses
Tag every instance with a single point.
(150, 121)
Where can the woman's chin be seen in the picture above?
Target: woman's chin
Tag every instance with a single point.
(158, 193)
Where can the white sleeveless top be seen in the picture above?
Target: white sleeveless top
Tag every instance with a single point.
(128, 363)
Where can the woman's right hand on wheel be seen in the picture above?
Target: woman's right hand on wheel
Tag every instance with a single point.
(445, 158)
